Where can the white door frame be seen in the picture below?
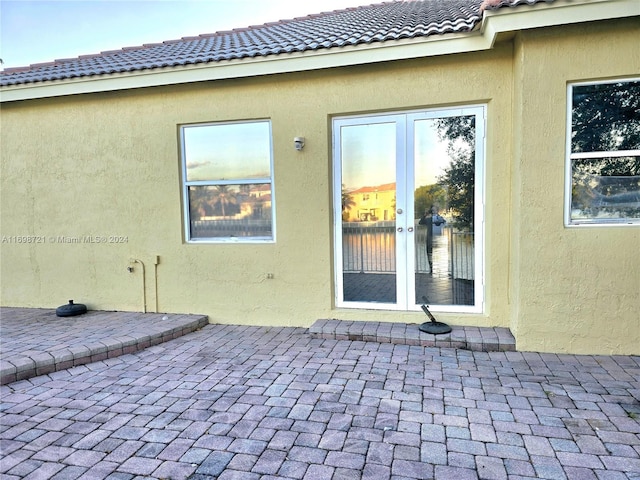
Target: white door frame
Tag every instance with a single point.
(405, 258)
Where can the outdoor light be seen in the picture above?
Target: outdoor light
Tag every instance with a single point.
(298, 143)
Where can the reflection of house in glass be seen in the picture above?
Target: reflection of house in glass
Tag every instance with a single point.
(231, 211)
(235, 202)
(258, 205)
(370, 204)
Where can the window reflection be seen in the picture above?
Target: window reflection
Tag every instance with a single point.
(227, 180)
(606, 188)
(227, 151)
(368, 176)
(230, 211)
(605, 153)
(606, 117)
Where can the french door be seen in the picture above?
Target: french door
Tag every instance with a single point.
(408, 210)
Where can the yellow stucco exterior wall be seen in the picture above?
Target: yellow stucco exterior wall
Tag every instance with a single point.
(577, 289)
(108, 165)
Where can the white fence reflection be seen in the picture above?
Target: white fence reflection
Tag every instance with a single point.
(245, 227)
(370, 247)
(461, 255)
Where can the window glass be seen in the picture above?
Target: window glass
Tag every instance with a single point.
(227, 152)
(228, 192)
(606, 117)
(604, 162)
(606, 189)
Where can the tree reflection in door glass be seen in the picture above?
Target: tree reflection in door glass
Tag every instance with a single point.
(444, 207)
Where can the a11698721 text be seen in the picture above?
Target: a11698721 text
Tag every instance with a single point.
(64, 239)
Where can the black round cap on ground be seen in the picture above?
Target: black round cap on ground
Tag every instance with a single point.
(71, 309)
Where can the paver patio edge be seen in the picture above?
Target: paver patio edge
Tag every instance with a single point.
(76, 345)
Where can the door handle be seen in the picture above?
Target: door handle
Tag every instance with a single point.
(410, 229)
(399, 229)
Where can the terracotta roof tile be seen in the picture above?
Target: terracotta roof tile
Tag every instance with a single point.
(377, 188)
(396, 20)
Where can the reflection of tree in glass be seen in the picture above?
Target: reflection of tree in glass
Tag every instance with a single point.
(347, 202)
(199, 206)
(225, 200)
(458, 177)
(428, 195)
(606, 118)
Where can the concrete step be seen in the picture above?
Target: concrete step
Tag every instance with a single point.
(480, 339)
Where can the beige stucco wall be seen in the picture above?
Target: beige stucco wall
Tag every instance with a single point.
(575, 289)
(108, 165)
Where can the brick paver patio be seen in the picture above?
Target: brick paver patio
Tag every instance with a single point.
(235, 402)
(35, 341)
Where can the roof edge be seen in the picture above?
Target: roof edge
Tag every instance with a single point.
(494, 22)
(559, 12)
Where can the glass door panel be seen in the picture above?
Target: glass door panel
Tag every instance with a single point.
(368, 200)
(444, 199)
(409, 210)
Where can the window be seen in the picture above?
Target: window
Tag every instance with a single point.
(227, 181)
(603, 168)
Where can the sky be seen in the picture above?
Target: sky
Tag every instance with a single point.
(369, 153)
(38, 31)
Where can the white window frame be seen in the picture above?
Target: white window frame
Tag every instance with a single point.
(249, 181)
(570, 157)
